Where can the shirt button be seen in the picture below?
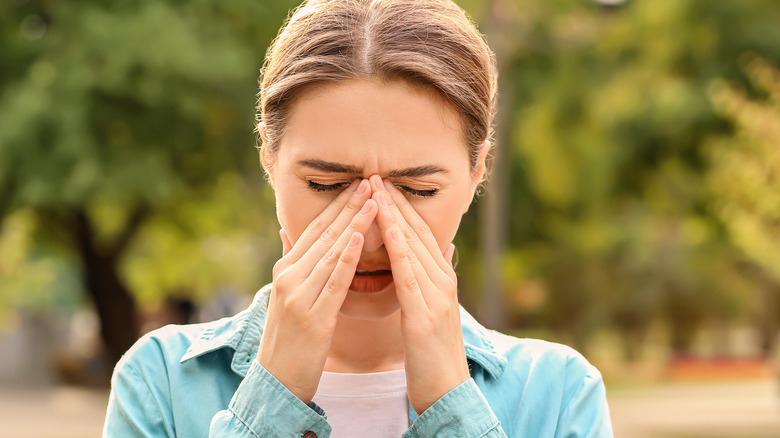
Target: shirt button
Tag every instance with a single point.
(309, 434)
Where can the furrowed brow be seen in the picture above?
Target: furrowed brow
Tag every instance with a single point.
(330, 167)
(418, 171)
(334, 167)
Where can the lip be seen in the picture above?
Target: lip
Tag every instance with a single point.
(372, 266)
(374, 282)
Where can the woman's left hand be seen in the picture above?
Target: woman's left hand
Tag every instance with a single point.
(427, 289)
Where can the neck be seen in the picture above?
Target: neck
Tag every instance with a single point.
(366, 346)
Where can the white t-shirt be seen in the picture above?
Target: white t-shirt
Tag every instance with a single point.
(365, 405)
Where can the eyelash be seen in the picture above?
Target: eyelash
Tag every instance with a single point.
(317, 187)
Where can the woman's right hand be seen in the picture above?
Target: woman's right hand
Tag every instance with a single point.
(310, 283)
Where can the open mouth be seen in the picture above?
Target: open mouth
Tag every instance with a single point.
(371, 281)
(377, 272)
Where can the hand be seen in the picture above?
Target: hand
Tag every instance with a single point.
(427, 289)
(310, 283)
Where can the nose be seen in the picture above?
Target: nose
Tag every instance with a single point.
(373, 238)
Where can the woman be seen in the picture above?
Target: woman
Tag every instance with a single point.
(375, 126)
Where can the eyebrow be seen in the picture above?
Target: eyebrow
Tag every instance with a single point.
(333, 167)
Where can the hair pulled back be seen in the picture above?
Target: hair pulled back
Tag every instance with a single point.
(429, 43)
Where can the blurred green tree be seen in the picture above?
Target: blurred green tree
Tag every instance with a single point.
(745, 172)
(120, 121)
(609, 131)
(126, 148)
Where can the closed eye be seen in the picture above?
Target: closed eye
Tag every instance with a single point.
(327, 187)
(319, 187)
(417, 192)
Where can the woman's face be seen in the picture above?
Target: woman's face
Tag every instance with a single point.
(345, 131)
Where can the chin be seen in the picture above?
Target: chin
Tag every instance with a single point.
(370, 305)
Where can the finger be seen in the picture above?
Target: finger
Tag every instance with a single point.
(335, 290)
(317, 278)
(407, 286)
(408, 216)
(449, 252)
(388, 216)
(286, 245)
(387, 219)
(332, 221)
(335, 237)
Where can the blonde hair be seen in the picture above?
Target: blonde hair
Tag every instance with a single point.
(429, 43)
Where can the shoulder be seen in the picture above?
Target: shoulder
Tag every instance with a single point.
(166, 351)
(538, 351)
(170, 345)
(527, 359)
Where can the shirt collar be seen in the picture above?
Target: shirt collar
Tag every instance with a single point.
(242, 333)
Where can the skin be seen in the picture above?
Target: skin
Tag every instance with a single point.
(371, 175)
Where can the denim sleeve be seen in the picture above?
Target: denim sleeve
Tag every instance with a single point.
(462, 412)
(133, 409)
(263, 407)
(585, 414)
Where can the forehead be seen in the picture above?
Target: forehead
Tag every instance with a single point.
(374, 126)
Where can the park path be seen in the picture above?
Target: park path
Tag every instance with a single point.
(749, 409)
(739, 409)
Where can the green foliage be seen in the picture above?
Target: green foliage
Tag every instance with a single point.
(611, 131)
(642, 183)
(120, 107)
(745, 170)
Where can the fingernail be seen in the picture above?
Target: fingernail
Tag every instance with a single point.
(394, 234)
(362, 187)
(354, 240)
(383, 198)
(449, 253)
(389, 186)
(366, 208)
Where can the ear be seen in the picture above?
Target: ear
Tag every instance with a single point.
(478, 172)
(265, 157)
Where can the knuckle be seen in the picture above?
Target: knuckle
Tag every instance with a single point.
(329, 234)
(423, 229)
(331, 256)
(353, 206)
(281, 272)
(445, 310)
(316, 223)
(413, 258)
(411, 282)
(428, 319)
(330, 287)
(353, 226)
(292, 307)
(279, 267)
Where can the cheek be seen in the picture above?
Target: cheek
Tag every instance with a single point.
(296, 209)
(443, 223)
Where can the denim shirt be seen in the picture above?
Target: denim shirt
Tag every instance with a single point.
(203, 379)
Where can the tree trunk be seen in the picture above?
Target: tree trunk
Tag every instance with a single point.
(768, 320)
(114, 304)
(492, 211)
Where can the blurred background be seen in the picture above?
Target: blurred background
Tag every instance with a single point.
(633, 211)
